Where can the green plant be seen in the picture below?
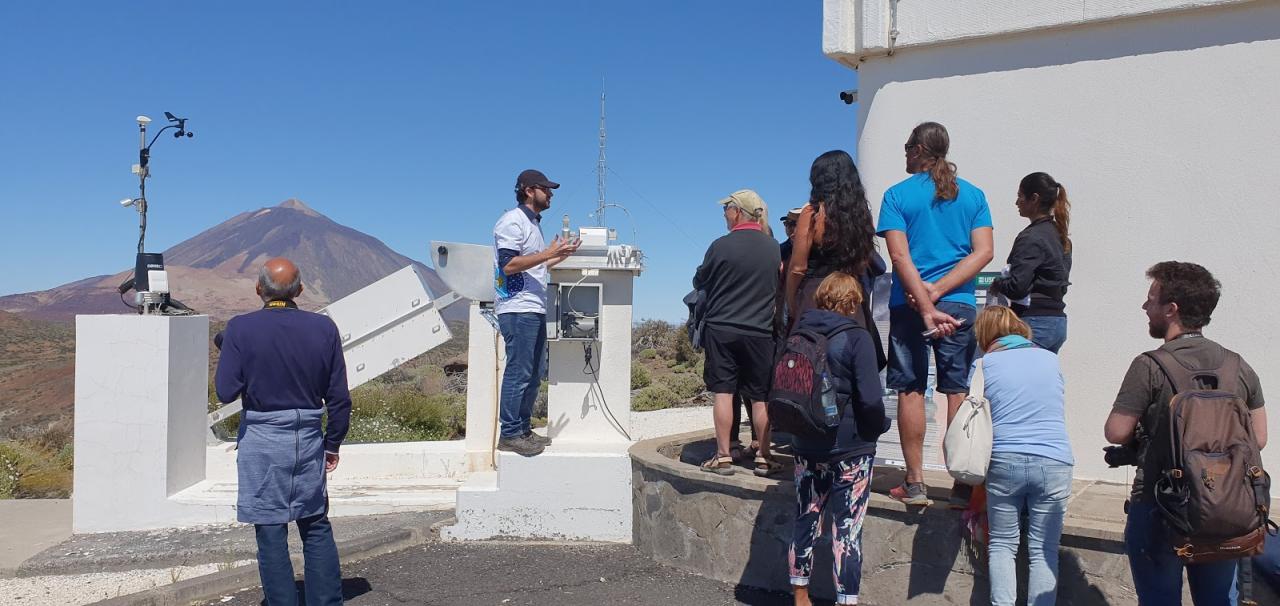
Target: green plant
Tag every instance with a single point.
(648, 354)
(685, 385)
(653, 397)
(28, 470)
(640, 377)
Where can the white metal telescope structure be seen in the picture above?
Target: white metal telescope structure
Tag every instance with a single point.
(395, 319)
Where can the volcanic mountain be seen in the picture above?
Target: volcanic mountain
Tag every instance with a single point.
(215, 272)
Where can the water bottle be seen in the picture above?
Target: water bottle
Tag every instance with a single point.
(829, 401)
(564, 229)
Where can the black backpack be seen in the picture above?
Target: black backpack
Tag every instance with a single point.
(796, 397)
(1212, 490)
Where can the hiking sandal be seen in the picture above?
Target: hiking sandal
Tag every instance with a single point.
(720, 465)
(766, 467)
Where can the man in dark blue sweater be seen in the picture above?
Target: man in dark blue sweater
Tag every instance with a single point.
(286, 367)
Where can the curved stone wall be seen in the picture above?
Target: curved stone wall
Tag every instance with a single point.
(737, 529)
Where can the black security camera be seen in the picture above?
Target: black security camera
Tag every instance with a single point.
(849, 96)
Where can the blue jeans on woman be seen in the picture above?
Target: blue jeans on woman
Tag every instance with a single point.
(1040, 485)
(1157, 570)
(1049, 332)
(525, 335)
(322, 578)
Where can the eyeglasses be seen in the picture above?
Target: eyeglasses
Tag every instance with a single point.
(908, 147)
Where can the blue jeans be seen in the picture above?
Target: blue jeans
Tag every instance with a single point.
(525, 335)
(908, 369)
(1041, 485)
(842, 489)
(322, 576)
(1157, 572)
(1049, 332)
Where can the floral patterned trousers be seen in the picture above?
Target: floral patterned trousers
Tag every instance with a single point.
(841, 488)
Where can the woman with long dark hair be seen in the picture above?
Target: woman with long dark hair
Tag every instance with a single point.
(1039, 269)
(833, 233)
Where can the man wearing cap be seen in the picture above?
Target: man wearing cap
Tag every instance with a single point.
(740, 276)
(520, 281)
(789, 228)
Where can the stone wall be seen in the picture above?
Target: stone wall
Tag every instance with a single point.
(737, 529)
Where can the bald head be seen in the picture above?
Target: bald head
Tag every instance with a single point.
(279, 279)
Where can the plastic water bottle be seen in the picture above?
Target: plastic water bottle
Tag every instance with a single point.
(829, 401)
(564, 229)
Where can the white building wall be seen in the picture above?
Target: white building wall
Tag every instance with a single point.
(1162, 127)
(858, 29)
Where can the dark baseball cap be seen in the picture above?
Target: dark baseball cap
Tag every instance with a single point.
(534, 178)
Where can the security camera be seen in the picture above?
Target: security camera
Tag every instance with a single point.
(849, 96)
(143, 120)
(127, 202)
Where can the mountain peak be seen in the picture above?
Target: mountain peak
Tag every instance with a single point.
(298, 205)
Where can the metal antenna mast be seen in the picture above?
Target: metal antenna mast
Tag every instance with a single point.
(600, 165)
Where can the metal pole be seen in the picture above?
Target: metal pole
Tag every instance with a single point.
(143, 170)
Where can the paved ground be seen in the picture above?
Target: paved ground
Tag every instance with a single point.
(29, 526)
(512, 574)
(117, 551)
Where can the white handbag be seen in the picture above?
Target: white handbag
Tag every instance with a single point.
(967, 444)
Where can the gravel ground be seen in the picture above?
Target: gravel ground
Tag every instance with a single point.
(670, 421)
(76, 589)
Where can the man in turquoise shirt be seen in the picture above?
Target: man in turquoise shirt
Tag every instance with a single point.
(938, 230)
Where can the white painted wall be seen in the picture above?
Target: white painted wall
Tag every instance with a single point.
(1163, 129)
(856, 29)
(141, 388)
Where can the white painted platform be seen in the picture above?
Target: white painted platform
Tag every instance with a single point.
(217, 500)
(569, 492)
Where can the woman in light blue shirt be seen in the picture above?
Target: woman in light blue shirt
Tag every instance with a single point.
(1031, 460)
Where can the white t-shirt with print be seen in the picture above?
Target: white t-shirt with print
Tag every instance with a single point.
(527, 290)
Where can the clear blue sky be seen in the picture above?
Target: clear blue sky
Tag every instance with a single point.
(405, 120)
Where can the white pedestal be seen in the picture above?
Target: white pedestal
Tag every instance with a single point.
(141, 391)
(580, 487)
(566, 493)
(582, 406)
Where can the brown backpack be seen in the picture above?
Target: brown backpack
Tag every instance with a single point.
(1212, 490)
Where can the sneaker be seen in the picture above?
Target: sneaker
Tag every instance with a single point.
(533, 437)
(960, 494)
(914, 493)
(521, 446)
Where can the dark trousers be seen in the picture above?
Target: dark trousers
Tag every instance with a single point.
(322, 576)
(739, 402)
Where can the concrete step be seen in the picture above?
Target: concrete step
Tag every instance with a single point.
(347, 497)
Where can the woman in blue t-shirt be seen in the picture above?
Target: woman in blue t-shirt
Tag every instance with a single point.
(1039, 269)
(1031, 460)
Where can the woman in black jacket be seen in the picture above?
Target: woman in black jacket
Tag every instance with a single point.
(1035, 280)
(833, 473)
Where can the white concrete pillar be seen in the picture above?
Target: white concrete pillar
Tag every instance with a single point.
(141, 396)
(485, 362)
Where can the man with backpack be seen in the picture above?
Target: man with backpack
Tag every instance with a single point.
(1191, 415)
